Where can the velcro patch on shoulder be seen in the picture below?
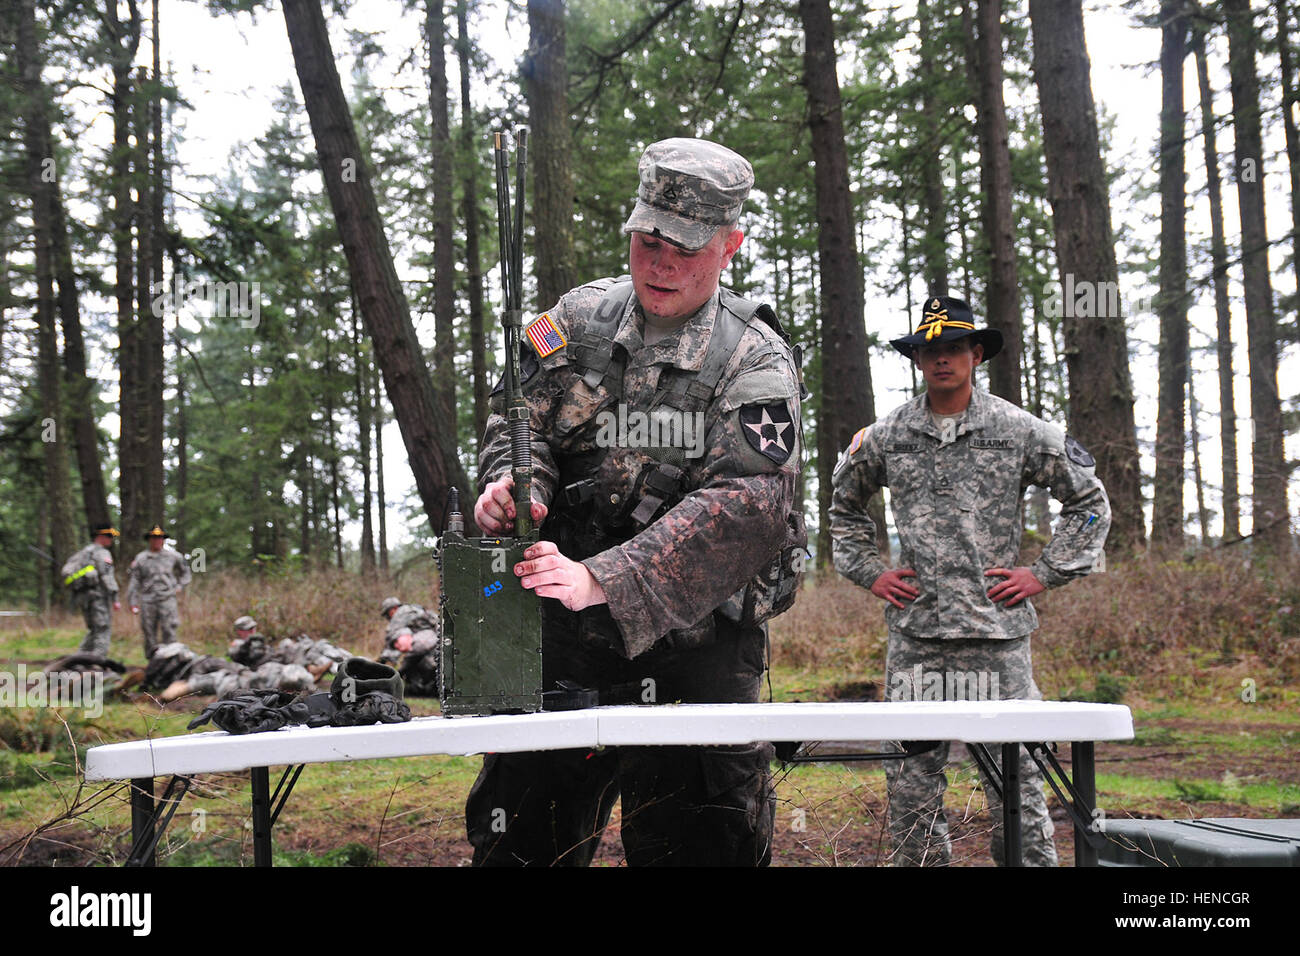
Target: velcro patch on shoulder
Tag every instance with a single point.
(545, 337)
(769, 429)
(1077, 453)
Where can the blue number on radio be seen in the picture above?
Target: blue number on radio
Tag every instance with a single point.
(492, 589)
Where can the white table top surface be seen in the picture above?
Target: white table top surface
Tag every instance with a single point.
(670, 724)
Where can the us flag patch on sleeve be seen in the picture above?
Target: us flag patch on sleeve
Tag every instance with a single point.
(546, 338)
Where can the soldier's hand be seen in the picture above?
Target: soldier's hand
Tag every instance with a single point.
(403, 642)
(494, 512)
(1017, 584)
(135, 608)
(891, 587)
(551, 574)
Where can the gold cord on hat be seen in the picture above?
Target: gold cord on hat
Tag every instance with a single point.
(936, 320)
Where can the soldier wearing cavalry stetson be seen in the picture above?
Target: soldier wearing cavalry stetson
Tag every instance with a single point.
(957, 461)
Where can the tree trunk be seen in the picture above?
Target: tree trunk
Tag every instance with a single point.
(474, 265)
(363, 428)
(79, 392)
(1202, 515)
(934, 241)
(430, 444)
(1171, 437)
(148, 325)
(1292, 139)
(1269, 517)
(40, 176)
(125, 40)
(845, 371)
(545, 74)
(381, 502)
(1096, 345)
(1219, 256)
(444, 218)
(156, 356)
(1003, 301)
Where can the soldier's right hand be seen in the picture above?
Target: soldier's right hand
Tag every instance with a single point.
(494, 512)
(890, 586)
(117, 605)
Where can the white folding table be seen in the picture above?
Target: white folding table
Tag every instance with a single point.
(1010, 723)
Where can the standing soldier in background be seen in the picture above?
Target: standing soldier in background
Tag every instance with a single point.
(156, 576)
(957, 461)
(89, 575)
(412, 638)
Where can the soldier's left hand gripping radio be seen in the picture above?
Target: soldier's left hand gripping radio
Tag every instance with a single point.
(491, 648)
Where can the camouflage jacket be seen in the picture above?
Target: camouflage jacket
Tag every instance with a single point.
(740, 460)
(105, 583)
(957, 510)
(414, 620)
(156, 576)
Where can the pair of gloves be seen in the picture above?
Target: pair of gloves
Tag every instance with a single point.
(363, 692)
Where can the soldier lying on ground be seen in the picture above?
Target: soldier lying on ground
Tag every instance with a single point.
(411, 645)
(253, 649)
(180, 671)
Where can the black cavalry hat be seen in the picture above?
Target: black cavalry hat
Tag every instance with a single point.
(155, 532)
(945, 319)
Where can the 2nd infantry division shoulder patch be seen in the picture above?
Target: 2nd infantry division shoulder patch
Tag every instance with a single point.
(544, 335)
(769, 429)
(1078, 454)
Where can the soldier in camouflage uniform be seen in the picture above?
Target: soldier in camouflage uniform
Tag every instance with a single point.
(654, 527)
(251, 649)
(181, 671)
(411, 645)
(155, 577)
(957, 461)
(89, 575)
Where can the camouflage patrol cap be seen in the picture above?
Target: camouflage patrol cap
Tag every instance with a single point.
(690, 188)
(388, 605)
(245, 623)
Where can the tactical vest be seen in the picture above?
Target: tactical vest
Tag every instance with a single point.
(662, 484)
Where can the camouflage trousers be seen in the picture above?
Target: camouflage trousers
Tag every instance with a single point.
(270, 676)
(97, 608)
(420, 674)
(919, 669)
(696, 806)
(159, 621)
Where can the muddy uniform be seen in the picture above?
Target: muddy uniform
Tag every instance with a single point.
(302, 650)
(95, 590)
(669, 546)
(956, 500)
(154, 578)
(418, 666)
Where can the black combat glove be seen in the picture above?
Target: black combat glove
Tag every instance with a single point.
(253, 713)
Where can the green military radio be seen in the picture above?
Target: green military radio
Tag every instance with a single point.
(491, 649)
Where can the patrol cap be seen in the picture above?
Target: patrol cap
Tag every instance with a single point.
(689, 189)
(245, 623)
(108, 529)
(388, 605)
(946, 319)
(155, 532)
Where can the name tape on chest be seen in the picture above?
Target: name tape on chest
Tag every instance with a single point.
(544, 335)
(903, 447)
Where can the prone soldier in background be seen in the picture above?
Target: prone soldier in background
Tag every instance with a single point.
(155, 578)
(411, 645)
(251, 649)
(89, 575)
(957, 461)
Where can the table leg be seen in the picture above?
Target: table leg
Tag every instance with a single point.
(1011, 833)
(1082, 760)
(261, 817)
(142, 818)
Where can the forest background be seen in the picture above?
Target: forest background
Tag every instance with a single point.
(953, 147)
